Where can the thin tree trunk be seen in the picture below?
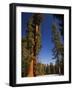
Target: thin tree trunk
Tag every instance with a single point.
(59, 64)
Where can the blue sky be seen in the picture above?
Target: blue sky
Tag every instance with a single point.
(45, 54)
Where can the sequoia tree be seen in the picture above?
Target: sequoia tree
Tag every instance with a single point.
(33, 41)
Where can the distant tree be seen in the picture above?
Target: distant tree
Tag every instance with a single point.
(51, 68)
(40, 69)
(48, 71)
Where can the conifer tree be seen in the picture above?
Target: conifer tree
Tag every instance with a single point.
(33, 41)
(58, 46)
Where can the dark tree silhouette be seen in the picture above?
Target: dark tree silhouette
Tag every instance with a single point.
(58, 46)
(61, 23)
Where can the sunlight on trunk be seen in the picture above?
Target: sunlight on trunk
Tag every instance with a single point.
(37, 28)
(30, 71)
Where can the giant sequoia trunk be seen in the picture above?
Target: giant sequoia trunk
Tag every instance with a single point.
(30, 69)
(32, 66)
(34, 49)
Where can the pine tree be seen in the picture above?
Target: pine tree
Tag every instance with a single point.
(58, 46)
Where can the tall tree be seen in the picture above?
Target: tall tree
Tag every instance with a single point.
(37, 18)
(58, 46)
(33, 41)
